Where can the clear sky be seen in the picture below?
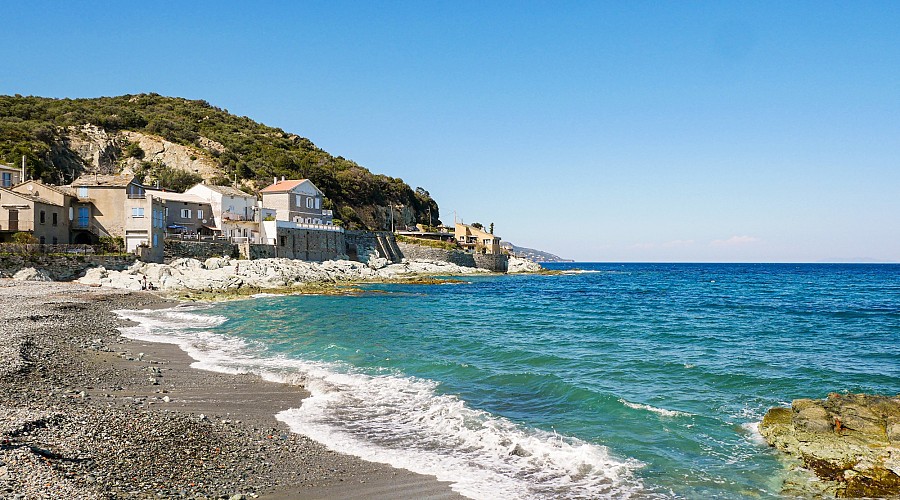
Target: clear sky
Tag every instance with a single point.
(600, 131)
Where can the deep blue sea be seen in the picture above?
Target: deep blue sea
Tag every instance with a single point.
(609, 380)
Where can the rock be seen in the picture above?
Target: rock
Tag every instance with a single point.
(31, 274)
(517, 265)
(851, 441)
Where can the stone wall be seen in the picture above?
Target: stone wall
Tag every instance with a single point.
(309, 244)
(200, 250)
(253, 251)
(363, 244)
(63, 267)
(496, 263)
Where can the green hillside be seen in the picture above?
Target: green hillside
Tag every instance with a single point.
(39, 129)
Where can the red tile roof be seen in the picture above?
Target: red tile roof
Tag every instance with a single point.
(283, 186)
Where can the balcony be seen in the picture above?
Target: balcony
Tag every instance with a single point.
(137, 196)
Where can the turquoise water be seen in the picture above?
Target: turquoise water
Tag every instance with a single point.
(641, 380)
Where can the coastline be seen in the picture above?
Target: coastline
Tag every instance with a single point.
(84, 414)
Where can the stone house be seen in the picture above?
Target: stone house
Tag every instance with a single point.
(235, 214)
(9, 176)
(297, 200)
(473, 239)
(186, 213)
(31, 213)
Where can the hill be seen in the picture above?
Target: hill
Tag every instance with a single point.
(532, 254)
(178, 142)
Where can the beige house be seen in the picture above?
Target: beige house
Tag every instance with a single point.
(9, 176)
(476, 240)
(30, 213)
(117, 206)
(298, 201)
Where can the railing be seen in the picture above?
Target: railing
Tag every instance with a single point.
(137, 196)
(231, 216)
(31, 249)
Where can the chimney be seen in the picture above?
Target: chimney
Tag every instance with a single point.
(282, 178)
(274, 180)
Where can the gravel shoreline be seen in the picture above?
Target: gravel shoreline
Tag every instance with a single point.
(86, 413)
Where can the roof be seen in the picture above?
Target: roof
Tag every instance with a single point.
(10, 167)
(103, 180)
(228, 191)
(283, 186)
(173, 196)
(35, 199)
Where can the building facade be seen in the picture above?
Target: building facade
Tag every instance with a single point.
(9, 176)
(235, 214)
(297, 200)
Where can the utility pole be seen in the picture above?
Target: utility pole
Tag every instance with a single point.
(23, 169)
(392, 218)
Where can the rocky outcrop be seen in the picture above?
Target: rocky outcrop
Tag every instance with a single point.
(850, 441)
(101, 151)
(517, 265)
(186, 158)
(31, 274)
(222, 274)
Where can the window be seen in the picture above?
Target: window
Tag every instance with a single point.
(82, 192)
(55, 240)
(55, 218)
(167, 212)
(281, 240)
(299, 201)
(318, 202)
(43, 217)
(199, 214)
(155, 240)
(309, 203)
(7, 179)
(137, 212)
(43, 240)
(185, 213)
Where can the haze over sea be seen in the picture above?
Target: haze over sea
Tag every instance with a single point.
(610, 380)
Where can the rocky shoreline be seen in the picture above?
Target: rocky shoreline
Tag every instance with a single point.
(86, 413)
(851, 442)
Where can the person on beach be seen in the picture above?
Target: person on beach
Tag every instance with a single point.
(144, 284)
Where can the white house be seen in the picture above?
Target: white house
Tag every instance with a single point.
(234, 212)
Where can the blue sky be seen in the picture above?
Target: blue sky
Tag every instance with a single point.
(600, 131)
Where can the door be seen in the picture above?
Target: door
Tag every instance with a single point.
(13, 220)
(84, 216)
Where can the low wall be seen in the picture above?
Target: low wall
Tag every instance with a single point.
(253, 251)
(308, 244)
(363, 244)
(495, 263)
(63, 267)
(200, 250)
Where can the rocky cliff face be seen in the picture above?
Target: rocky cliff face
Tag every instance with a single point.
(850, 441)
(99, 151)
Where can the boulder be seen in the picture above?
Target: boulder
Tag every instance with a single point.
(31, 274)
(851, 441)
(517, 265)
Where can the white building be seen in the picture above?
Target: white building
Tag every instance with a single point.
(234, 212)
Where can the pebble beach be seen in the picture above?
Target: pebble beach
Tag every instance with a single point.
(86, 413)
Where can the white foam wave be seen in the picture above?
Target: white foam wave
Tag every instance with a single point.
(405, 421)
(659, 411)
(582, 271)
(753, 433)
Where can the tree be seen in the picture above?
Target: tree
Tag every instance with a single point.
(491, 230)
(477, 225)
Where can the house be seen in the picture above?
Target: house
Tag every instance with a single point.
(10, 175)
(186, 213)
(473, 239)
(297, 200)
(235, 214)
(31, 213)
(117, 206)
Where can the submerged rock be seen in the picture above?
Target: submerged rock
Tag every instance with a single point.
(850, 441)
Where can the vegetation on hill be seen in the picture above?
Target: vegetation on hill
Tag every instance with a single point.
(253, 153)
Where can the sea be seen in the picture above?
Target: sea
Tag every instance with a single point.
(602, 381)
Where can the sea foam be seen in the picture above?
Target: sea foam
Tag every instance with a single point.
(404, 421)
